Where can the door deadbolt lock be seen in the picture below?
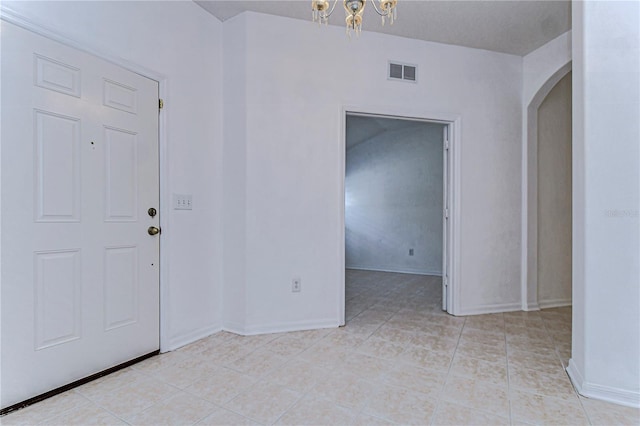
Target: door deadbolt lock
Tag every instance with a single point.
(152, 212)
(153, 230)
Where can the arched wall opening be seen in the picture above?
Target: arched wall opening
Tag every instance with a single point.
(532, 246)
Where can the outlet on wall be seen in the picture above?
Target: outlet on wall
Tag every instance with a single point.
(296, 285)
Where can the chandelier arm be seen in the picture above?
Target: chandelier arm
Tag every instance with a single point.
(332, 8)
(387, 13)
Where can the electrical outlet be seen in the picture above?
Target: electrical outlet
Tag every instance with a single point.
(182, 202)
(296, 285)
(410, 252)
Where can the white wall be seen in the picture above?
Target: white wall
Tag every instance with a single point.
(554, 196)
(605, 360)
(296, 88)
(182, 43)
(393, 191)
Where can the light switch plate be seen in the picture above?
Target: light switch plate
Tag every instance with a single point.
(182, 202)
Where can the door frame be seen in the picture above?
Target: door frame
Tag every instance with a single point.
(453, 123)
(8, 15)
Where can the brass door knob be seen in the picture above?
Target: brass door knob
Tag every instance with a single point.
(153, 230)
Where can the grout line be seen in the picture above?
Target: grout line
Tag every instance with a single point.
(439, 400)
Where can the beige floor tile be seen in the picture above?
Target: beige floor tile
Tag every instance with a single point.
(424, 358)
(158, 415)
(549, 363)
(287, 346)
(478, 395)
(221, 386)
(398, 336)
(442, 318)
(429, 382)
(185, 372)
(264, 402)
(456, 415)
(89, 414)
(603, 413)
(365, 366)
(487, 337)
(482, 351)
(346, 376)
(340, 339)
(135, 397)
(107, 384)
(159, 362)
(363, 419)
(554, 385)
(179, 409)
(538, 409)
(534, 346)
(316, 411)
(226, 418)
(343, 388)
(297, 375)
(488, 322)
(492, 372)
(258, 363)
(400, 405)
(377, 347)
(46, 409)
(527, 334)
(434, 342)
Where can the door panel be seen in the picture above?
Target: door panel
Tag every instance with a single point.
(80, 283)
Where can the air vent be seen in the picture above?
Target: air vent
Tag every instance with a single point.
(404, 72)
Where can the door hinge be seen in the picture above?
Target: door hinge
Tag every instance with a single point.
(446, 213)
(446, 144)
(445, 281)
(160, 104)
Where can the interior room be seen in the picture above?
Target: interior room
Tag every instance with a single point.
(174, 186)
(393, 201)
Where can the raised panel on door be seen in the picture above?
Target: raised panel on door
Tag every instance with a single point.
(57, 297)
(57, 167)
(120, 287)
(121, 174)
(80, 281)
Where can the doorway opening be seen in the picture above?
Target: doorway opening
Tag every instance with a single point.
(397, 211)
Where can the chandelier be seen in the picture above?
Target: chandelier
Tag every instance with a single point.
(321, 11)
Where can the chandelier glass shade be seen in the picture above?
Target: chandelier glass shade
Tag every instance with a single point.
(322, 9)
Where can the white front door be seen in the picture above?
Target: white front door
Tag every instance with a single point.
(80, 282)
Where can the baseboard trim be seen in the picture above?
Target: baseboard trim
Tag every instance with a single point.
(181, 340)
(396, 270)
(604, 393)
(234, 328)
(490, 309)
(554, 303)
(251, 330)
(532, 306)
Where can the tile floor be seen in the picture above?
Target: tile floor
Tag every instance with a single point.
(399, 360)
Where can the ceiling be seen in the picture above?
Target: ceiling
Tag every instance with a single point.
(514, 27)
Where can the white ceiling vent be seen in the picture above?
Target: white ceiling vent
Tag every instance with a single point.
(399, 71)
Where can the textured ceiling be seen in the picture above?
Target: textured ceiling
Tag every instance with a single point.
(515, 27)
